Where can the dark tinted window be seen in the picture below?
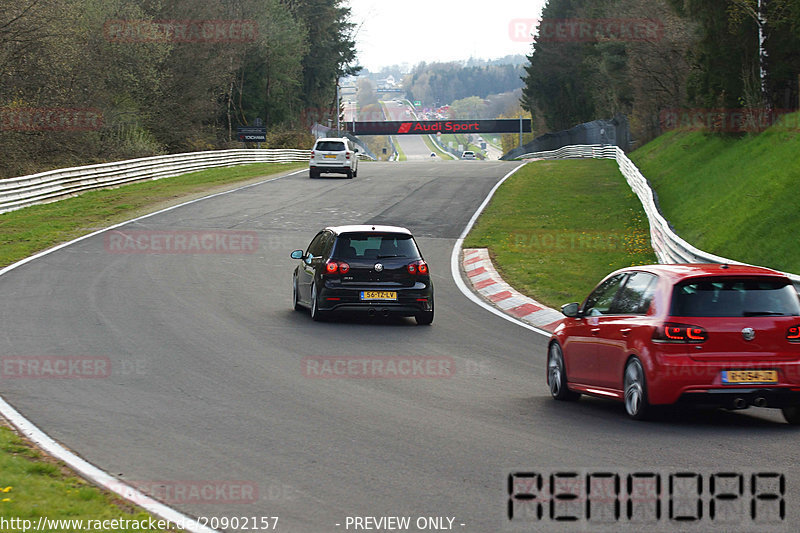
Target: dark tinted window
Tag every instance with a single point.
(317, 245)
(330, 146)
(599, 302)
(635, 297)
(375, 246)
(730, 297)
(327, 243)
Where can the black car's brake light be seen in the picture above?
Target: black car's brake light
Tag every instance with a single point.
(680, 333)
(418, 268)
(793, 334)
(336, 267)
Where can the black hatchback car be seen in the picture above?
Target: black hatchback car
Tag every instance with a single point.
(374, 269)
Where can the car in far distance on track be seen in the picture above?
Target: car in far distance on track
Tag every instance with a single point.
(377, 270)
(333, 155)
(468, 154)
(698, 334)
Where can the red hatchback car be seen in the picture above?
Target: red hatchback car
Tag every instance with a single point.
(702, 334)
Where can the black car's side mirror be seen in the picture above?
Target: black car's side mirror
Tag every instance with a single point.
(571, 310)
(297, 254)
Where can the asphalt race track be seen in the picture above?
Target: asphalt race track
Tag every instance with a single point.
(207, 381)
(413, 146)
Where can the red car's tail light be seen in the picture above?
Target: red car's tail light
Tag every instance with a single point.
(335, 267)
(793, 334)
(680, 333)
(418, 268)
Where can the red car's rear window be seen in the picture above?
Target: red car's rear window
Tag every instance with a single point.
(735, 297)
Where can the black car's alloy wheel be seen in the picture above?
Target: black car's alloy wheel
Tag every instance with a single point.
(316, 314)
(424, 318)
(295, 297)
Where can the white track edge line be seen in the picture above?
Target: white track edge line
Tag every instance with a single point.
(455, 267)
(86, 469)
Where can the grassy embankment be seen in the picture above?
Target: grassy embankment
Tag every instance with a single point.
(556, 227)
(731, 195)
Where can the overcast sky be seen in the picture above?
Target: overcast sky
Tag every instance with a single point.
(410, 31)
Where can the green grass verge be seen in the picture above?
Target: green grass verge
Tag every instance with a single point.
(555, 228)
(35, 228)
(728, 195)
(401, 155)
(33, 486)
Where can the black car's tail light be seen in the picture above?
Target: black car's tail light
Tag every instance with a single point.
(680, 333)
(336, 267)
(418, 268)
(793, 334)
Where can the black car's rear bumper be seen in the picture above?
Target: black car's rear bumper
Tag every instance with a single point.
(410, 301)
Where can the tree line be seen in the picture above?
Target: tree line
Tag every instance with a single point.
(437, 84)
(597, 58)
(83, 81)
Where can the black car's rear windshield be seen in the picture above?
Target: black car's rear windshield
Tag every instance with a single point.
(731, 297)
(375, 246)
(330, 146)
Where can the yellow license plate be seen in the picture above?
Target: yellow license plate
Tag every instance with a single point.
(330, 157)
(749, 376)
(378, 295)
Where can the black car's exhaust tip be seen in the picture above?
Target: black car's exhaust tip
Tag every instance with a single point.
(385, 312)
(760, 402)
(371, 313)
(740, 403)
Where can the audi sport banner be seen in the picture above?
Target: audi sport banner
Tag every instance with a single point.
(425, 127)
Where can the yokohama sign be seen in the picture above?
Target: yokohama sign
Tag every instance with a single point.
(439, 126)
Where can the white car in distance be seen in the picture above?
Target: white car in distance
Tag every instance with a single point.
(334, 155)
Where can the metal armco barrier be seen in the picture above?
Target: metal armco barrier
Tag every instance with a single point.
(668, 246)
(52, 185)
